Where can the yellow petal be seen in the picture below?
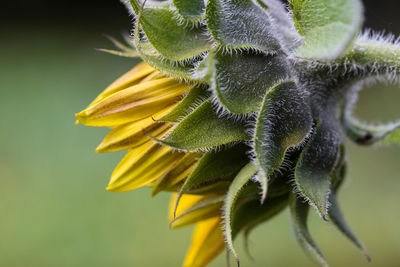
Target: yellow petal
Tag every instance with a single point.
(153, 76)
(141, 166)
(207, 243)
(187, 201)
(177, 173)
(135, 103)
(134, 133)
(132, 77)
(195, 209)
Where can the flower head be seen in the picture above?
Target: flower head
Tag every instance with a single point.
(242, 111)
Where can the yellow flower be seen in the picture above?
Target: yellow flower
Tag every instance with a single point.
(132, 106)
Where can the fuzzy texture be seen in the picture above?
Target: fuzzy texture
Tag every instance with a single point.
(273, 92)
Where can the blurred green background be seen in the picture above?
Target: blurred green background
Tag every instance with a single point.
(53, 204)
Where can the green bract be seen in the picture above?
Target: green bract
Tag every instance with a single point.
(271, 103)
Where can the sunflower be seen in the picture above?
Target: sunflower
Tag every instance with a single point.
(241, 109)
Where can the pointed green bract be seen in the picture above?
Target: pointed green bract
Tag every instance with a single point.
(146, 51)
(204, 129)
(204, 70)
(328, 26)
(169, 37)
(364, 134)
(299, 213)
(236, 186)
(190, 10)
(252, 213)
(337, 218)
(175, 69)
(284, 121)
(195, 97)
(236, 24)
(241, 80)
(335, 213)
(316, 164)
(216, 166)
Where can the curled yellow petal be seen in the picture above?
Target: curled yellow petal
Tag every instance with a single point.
(141, 166)
(132, 77)
(134, 103)
(207, 243)
(134, 133)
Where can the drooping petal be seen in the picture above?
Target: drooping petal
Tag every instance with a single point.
(132, 77)
(141, 166)
(207, 243)
(135, 103)
(188, 201)
(135, 133)
(194, 208)
(177, 173)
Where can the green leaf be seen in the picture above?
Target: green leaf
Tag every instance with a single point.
(216, 166)
(236, 24)
(316, 164)
(252, 213)
(364, 134)
(204, 70)
(203, 210)
(204, 129)
(328, 26)
(283, 24)
(148, 54)
(242, 80)
(195, 97)
(169, 67)
(299, 213)
(191, 10)
(284, 121)
(235, 188)
(169, 37)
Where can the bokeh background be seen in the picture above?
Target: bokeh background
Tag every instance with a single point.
(53, 205)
